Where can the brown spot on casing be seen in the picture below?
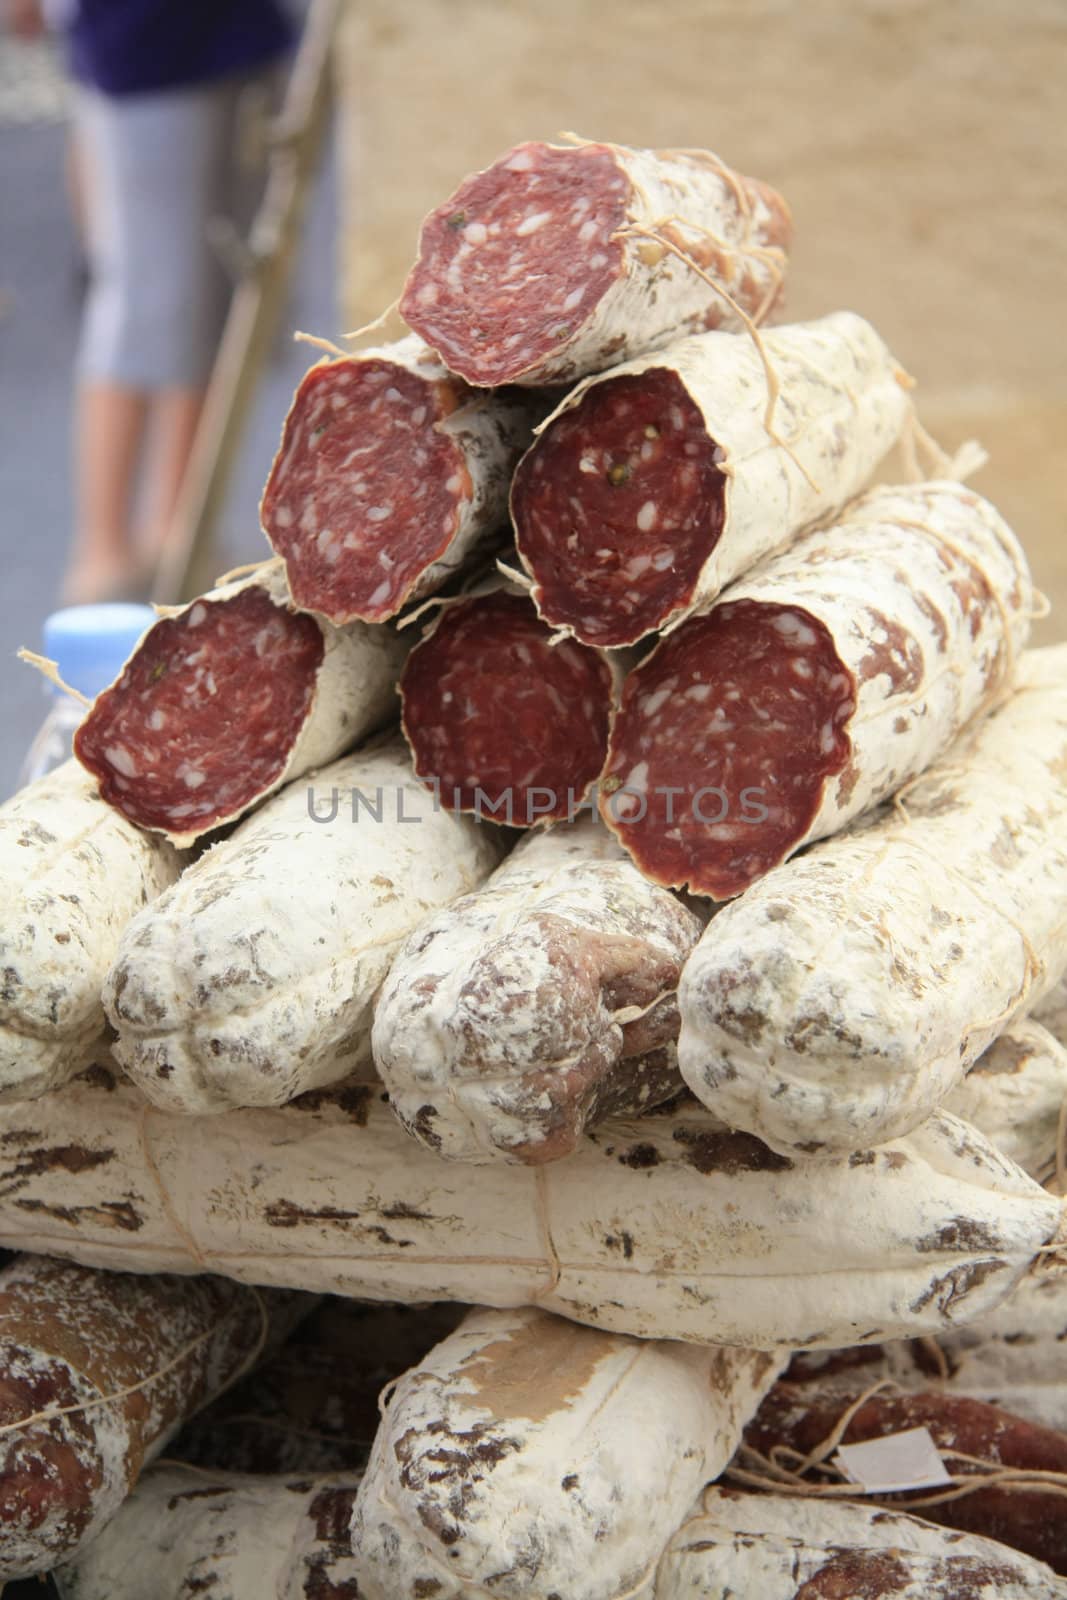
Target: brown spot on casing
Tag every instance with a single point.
(286, 1214)
(857, 1575)
(536, 1369)
(729, 1152)
(640, 1156)
(962, 1233)
(1005, 1056)
(621, 1241)
(898, 655)
(956, 1285)
(353, 1099)
(70, 1158)
(108, 1214)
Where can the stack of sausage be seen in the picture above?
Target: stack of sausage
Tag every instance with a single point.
(608, 870)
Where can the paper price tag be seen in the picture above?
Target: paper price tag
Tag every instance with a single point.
(909, 1460)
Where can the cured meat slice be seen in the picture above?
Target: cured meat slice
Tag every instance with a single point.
(782, 1547)
(559, 261)
(1028, 1517)
(1015, 1093)
(390, 474)
(667, 1226)
(654, 485)
(843, 997)
(72, 875)
(537, 1005)
(314, 1406)
(500, 720)
(228, 699)
(185, 1532)
(499, 1467)
(70, 1340)
(254, 979)
(819, 684)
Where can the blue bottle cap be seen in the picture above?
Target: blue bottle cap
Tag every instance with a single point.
(90, 644)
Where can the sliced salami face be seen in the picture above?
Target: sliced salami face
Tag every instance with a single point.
(655, 484)
(220, 704)
(726, 737)
(825, 679)
(839, 1001)
(390, 472)
(502, 721)
(556, 261)
(628, 491)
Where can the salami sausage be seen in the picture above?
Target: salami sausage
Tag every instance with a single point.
(499, 1467)
(844, 996)
(781, 1547)
(187, 1533)
(314, 1406)
(254, 979)
(500, 720)
(1015, 1092)
(391, 473)
(71, 1338)
(1025, 1516)
(819, 684)
(655, 484)
(72, 875)
(536, 1005)
(559, 261)
(222, 703)
(666, 1227)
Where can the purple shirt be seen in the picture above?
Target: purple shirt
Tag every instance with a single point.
(136, 46)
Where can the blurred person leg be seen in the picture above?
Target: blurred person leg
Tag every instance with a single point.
(157, 168)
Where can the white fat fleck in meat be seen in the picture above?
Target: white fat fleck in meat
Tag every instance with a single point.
(587, 464)
(532, 223)
(662, 560)
(209, 683)
(380, 594)
(263, 640)
(838, 683)
(196, 616)
(428, 294)
(790, 626)
(521, 161)
(309, 522)
(325, 539)
(637, 780)
(476, 233)
(802, 668)
(454, 483)
(446, 698)
(651, 703)
(598, 260)
(573, 299)
(677, 419)
(283, 516)
(192, 777)
(698, 692)
(637, 567)
(386, 560)
(156, 721)
(827, 738)
(418, 416)
(646, 517)
(393, 395)
(117, 756)
(588, 230)
(379, 513)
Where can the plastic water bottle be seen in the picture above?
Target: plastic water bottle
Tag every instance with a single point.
(89, 645)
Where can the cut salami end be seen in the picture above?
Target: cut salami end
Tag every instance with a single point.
(518, 258)
(367, 490)
(626, 489)
(206, 713)
(501, 721)
(391, 472)
(724, 744)
(558, 261)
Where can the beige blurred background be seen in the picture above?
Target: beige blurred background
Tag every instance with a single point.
(922, 145)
